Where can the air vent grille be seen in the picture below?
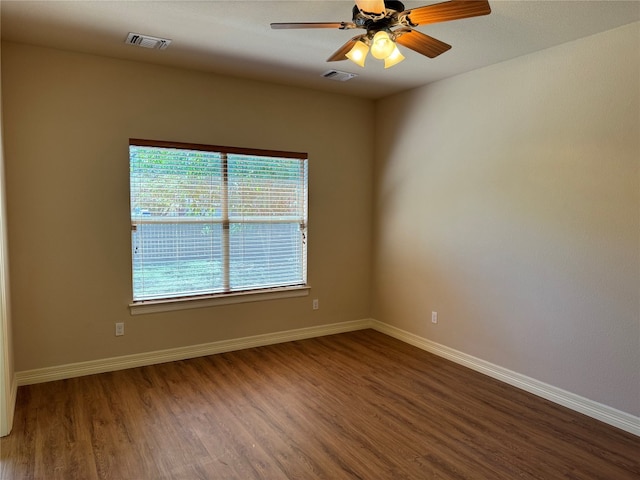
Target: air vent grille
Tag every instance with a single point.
(147, 41)
(339, 76)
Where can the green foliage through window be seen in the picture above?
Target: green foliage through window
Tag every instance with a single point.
(206, 221)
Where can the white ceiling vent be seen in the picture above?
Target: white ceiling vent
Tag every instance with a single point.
(147, 41)
(339, 76)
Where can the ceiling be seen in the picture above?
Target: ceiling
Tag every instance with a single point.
(234, 37)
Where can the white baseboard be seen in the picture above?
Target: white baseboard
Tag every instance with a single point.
(609, 415)
(61, 372)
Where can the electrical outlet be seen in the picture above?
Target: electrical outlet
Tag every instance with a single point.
(315, 304)
(434, 317)
(119, 329)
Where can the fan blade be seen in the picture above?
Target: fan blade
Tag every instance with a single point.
(446, 11)
(371, 6)
(341, 25)
(421, 43)
(341, 53)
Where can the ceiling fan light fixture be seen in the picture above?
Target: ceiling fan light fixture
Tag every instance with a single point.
(358, 54)
(395, 58)
(382, 46)
(387, 21)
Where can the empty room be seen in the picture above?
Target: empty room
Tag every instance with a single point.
(320, 240)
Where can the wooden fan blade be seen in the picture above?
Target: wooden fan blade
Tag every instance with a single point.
(371, 6)
(284, 26)
(446, 11)
(341, 53)
(421, 43)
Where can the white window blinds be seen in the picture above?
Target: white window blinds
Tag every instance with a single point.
(214, 220)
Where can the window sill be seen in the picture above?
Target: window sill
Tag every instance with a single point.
(156, 306)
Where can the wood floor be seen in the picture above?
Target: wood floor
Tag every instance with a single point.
(359, 405)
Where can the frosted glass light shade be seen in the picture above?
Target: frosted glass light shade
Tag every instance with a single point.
(358, 54)
(395, 58)
(382, 46)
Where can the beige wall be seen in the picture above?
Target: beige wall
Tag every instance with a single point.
(507, 200)
(68, 118)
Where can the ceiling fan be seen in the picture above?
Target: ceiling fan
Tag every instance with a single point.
(387, 23)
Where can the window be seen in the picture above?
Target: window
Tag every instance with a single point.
(210, 220)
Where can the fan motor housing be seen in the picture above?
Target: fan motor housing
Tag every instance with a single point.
(376, 23)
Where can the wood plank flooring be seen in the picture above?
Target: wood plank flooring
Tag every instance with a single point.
(359, 405)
